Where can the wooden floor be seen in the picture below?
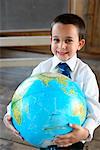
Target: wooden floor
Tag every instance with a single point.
(10, 78)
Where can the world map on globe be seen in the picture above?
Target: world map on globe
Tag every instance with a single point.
(43, 106)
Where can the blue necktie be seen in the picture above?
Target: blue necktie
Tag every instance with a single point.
(64, 69)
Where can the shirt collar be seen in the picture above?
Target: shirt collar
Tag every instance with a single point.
(71, 62)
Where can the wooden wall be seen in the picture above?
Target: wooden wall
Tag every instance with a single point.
(90, 11)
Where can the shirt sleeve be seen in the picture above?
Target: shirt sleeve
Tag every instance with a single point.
(37, 70)
(9, 109)
(92, 95)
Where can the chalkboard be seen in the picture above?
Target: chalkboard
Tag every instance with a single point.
(29, 14)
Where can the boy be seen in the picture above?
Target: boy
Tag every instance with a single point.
(68, 37)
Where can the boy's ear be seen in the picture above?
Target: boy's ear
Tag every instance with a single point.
(81, 44)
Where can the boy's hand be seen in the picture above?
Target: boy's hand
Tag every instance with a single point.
(79, 133)
(8, 123)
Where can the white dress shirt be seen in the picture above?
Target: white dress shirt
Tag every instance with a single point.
(83, 75)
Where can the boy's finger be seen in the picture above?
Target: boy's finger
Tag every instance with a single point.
(15, 132)
(7, 121)
(18, 135)
(13, 129)
(8, 118)
(74, 126)
(66, 145)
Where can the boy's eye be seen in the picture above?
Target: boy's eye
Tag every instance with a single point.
(68, 40)
(56, 40)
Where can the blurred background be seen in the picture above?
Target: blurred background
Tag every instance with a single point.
(25, 41)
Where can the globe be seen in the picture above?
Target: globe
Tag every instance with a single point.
(43, 106)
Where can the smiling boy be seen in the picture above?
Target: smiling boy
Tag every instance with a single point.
(67, 38)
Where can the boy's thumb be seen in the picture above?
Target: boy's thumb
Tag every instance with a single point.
(74, 126)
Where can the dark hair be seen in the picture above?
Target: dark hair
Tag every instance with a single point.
(71, 19)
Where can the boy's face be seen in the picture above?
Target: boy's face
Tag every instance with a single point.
(65, 41)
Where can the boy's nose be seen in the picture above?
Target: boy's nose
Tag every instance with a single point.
(63, 45)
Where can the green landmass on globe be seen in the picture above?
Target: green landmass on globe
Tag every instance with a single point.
(43, 106)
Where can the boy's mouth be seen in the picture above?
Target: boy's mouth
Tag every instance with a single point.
(62, 53)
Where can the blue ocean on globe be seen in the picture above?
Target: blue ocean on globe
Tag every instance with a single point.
(43, 106)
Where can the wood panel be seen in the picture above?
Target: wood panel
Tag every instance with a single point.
(90, 12)
(93, 26)
(38, 48)
(25, 33)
